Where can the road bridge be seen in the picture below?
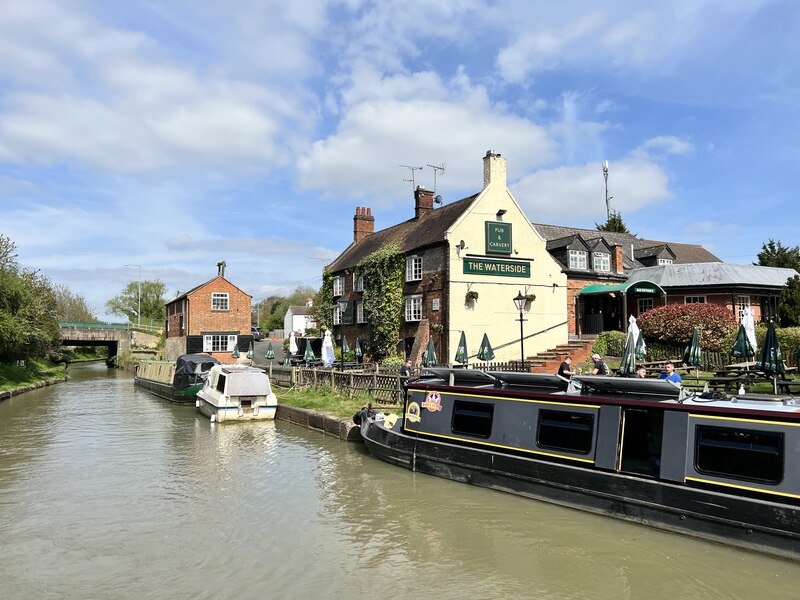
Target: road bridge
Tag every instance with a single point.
(115, 336)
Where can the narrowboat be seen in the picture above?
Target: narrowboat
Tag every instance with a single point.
(237, 393)
(725, 469)
(177, 381)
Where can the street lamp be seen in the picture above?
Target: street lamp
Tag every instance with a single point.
(139, 294)
(519, 302)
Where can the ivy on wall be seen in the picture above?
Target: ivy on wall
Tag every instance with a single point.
(322, 310)
(383, 272)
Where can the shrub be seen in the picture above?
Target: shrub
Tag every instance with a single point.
(675, 323)
(610, 343)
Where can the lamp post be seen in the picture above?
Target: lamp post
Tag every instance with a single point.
(138, 294)
(342, 307)
(519, 302)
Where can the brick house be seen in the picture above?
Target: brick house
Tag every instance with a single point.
(213, 318)
(483, 244)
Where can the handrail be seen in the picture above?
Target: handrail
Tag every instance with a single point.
(88, 325)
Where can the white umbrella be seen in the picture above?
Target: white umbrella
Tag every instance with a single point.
(292, 344)
(749, 326)
(327, 351)
(638, 340)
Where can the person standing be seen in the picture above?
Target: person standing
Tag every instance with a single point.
(405, 375)
(670, 375)
(600, 366)
(565, 369)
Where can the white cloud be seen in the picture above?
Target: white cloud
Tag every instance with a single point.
(669, 144)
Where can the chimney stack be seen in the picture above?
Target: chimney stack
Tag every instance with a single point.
(619, 265)
(494, 169)
(221, 268)
(423, 201)
(363, 223)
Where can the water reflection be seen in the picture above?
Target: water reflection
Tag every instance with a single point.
(107, 491)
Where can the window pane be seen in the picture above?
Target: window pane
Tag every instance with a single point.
(572, 432)
(473, 418)
(219, 301)
(739, 453)
(601, 261)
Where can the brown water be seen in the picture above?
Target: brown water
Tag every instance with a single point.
(109, 492)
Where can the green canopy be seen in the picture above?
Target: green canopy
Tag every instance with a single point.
(308, 355)
(627, 366)
(485, 352)
(692, 356)
(345, 347)
(429, 356)
(741, 345)
(462, 356)
(270, 353)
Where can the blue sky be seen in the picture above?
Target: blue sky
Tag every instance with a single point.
(173, 135)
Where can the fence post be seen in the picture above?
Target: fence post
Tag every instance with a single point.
(350, 386)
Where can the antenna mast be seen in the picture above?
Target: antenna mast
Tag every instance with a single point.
(608, 198)
(413, 183)
(436, 169)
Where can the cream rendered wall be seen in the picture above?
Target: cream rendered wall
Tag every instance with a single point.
(494, 311)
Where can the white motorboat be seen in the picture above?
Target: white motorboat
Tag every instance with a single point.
(235, 393)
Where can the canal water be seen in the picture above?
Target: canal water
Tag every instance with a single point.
(109, 492)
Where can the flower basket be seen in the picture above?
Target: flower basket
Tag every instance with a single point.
(471, 296)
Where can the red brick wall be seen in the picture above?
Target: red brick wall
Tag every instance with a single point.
(573, 287)
(203, 319)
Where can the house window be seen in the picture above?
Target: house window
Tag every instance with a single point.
(577, 259)
(413, 308)
(746, 454)
(664, 261)
(567, 431)
(337, 315)
(358, 283)
(694, 299)
(360, 313)
(219, 301)
(473, 418)
(601, 261)
(413, 268)
(742, 302)
(180, 322)
(338, 286)
(644, 304)
(219, 343)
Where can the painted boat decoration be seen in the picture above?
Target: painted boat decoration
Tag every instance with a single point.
(177, 381)
(643, 450)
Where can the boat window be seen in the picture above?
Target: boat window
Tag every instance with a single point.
(739, 453)
(221, 383)
(562, 430)
(473, 418)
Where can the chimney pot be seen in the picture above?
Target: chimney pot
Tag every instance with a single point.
(363, 223)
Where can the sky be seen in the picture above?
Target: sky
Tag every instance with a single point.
(154, 139)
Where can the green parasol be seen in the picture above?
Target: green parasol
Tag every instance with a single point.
(692, 356)
(251, 350)
(270, 353)
(345, 347)
(235, 352)
(429, 356)
(485, 352)
(627, 366)
(462, 356)
(770, 359)
(742, 348)
(308, 355)
(358, 351)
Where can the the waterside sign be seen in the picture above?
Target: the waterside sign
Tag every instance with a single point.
(502, 268)
(498, 237)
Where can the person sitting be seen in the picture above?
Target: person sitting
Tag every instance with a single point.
(641, 372)
(669, 374)
(600, 366)
(565, 368)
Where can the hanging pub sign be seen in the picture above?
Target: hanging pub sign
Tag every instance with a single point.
(498, 237)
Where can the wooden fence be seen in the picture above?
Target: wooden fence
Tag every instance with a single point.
(381, 386)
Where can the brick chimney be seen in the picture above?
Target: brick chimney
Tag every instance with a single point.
(423, 201)
(619, 265)
(494, 169)
(363, 223)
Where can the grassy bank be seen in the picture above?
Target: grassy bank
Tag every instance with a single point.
(325, 400)
(13, 376)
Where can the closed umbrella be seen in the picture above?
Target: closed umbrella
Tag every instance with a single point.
(462, 356)
(742, 348)
(429, 356)
(627, 366)
(345, 347)
(749, 327)
(308, 355)
(270, 353)
(358, 351)
(770, 359)
(251, 350)
(640, 351)
(235, 352)
(485, 352)
(327, 350)
(692, 356)
(292, 344)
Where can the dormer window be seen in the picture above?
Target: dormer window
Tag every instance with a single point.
(601, 261)
(577, 259)
(338, 286)
(413, 268)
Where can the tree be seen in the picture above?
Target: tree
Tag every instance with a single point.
(269, 313)
(127, 302)
(775, 254)
(790, 303)
(71, 307)
(613, 224)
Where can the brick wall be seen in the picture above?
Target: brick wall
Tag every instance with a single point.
(203, 320)
(574, 286)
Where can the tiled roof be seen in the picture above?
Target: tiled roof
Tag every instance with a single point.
(408, 236)
(703, 274)
(197, 287)
(299, 310)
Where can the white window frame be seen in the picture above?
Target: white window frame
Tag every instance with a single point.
(695, 300)
(220, 301)
(578, 259)
(742, 302)
(337, 315)
(414, 268)
(358, 283)
(643, 305)
(338, 285)
(413, 308)
(216, 342)
(664, 261)
(601, 261)
(360, 313)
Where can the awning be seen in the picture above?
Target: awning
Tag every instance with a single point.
(638, 287)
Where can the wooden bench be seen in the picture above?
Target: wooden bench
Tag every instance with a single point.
(788, 385)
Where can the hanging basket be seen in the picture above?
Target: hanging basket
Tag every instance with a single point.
(471, 296)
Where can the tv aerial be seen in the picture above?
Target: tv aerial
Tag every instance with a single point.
(413, 183)
(436, 169)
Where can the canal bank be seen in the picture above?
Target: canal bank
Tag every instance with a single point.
(28, 388)
(344, 429)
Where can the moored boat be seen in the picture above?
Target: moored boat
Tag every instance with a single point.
(721, 469)
(177, 381)
(235, 393)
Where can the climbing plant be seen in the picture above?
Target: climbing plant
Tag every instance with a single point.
(323, 301)
(383, 298)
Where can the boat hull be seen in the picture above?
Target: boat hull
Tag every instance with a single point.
(186, 396)
(748, 523)
(235, 413)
